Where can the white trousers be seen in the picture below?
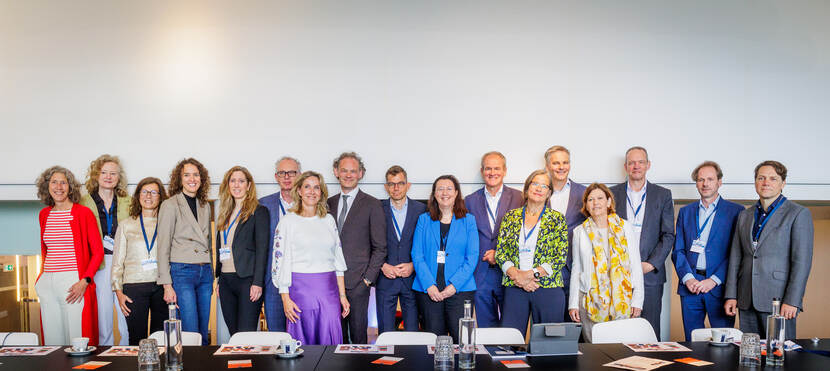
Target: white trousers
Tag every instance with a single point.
(107, 301)
(61, 321)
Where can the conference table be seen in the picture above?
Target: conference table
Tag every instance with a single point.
(415, 357)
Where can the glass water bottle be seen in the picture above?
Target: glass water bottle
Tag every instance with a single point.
(775, 335)
(467, 338)
(173, 339)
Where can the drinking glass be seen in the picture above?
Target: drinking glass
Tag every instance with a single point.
(750, 354)
(148, 355)
(444, 356)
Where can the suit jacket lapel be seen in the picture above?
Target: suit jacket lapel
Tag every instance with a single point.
(695, 223)
(188, 215)
(504, 202)
(773, 220)
(622, 205)
(358, 198)
(649, 209)
(488, 231)
(408, 224)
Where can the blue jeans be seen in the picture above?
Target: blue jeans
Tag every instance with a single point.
(193, 284)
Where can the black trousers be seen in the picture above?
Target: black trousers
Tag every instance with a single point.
(653, 306)
(442, 317)
(148, 300)
(356, 324)
(240, 313)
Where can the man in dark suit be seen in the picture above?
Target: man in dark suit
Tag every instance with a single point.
(566, 198)
(395, 282)
(701, 251)
(488, 205)
(362, 226)
(771, 255)
(287, 170)
(650, 210)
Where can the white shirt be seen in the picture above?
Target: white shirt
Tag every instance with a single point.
(349, 201)
(702, 214)
(285, 206)
(399, 215)
(527, 250)
(306, 245)
(636, 199)
(559, 199)
(493, 203)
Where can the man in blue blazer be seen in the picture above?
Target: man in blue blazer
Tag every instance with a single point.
(650, 210)
(488, 205)
(395, 281)
(566, 198)
(287, 170)
(701, 251)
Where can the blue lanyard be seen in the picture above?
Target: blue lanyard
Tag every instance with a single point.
(766, 219)
(705, 222)
(444, 238)
(227, 231)
(642, 201)
(155, 233)
(490, 212)
(109, 214)
(282, 209)
(530, 232)
(395, 221)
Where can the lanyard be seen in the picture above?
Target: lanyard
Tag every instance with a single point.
(109, 214)
(766, 219)
(444, 238)
(282, 209)
(395, 222)
(490, 212)
(705, 222)
(155, 233)
(227, 231)
(530, 232)
(642, 201)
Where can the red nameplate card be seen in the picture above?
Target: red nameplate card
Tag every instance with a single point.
(240, 363)
(515, 363)
(387, 360)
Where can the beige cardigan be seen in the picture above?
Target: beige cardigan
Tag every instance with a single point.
(130, 250)
(181, 238)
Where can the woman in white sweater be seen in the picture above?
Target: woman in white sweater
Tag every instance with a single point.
(308, 266)
(606, 277)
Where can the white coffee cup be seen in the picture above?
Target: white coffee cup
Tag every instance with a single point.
(289, 346)
(720, 335)
(79, 344)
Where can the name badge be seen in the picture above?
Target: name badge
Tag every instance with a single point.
(524, 250)
(109, 243)
(698, 246)
(149, 264)
(638, 225)
(442, 257)
(224, 253)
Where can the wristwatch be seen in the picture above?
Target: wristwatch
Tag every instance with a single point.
(87, 279)
(536, 273)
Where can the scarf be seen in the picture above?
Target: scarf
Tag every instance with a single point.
(609, 297)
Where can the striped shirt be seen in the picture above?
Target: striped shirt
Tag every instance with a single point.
(60, 246)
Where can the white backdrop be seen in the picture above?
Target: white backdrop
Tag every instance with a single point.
(428, 85)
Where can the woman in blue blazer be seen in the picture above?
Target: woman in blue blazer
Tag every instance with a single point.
(444, 253)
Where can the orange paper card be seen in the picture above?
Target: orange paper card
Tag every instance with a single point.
(387, 361)
(91, 365)
(514, 363)
(693, 361)
(241, 363)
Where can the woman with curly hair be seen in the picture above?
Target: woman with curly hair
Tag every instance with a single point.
(184, 242)
(243, 237)
(71, 248)
(135, 262)
(106, 187)
(531, 250)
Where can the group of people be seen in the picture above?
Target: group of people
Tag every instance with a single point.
(554, 251)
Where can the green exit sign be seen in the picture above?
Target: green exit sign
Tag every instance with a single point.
(8, 268)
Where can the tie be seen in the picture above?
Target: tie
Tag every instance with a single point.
(342, 218)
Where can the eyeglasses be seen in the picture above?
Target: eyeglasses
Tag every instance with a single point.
(289, 173)
(145, 192)
(540, 185)
(394, 184)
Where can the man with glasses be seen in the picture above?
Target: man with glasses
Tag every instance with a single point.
(362, 226)
(397, 273)
(278, 204)
(488, 205)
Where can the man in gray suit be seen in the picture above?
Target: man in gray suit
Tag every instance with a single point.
(771, 255)
(362, 226)
(650, 210)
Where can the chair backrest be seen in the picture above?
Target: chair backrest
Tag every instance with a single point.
(498, 335)
(188, 338)
(705, 334)
(406, 338)
(631, 330)
(258, 338)
(19, 338)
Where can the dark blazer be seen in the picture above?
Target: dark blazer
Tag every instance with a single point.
(717, 246)
(779, 267)
(363, 237)
(249, 247)
(573, 216)
(461, 249)
(272, 203)
(657, 233)
(398, 252)
(476, 203)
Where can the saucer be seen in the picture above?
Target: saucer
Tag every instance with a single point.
(73, 353)
(723, 344)
(281, 353)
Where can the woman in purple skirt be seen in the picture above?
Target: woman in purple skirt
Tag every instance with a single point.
(308, 266)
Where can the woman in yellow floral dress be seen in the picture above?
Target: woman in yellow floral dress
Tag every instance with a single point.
(606, 277)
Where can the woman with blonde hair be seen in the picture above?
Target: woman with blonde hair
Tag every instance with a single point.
(106, 186)
(308, 265)
(135, 263)
(71, 248)
(606, 276)
(242, 235)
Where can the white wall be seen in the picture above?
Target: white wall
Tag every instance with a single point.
(428, 85)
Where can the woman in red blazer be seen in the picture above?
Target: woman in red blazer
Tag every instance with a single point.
(72, 251)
